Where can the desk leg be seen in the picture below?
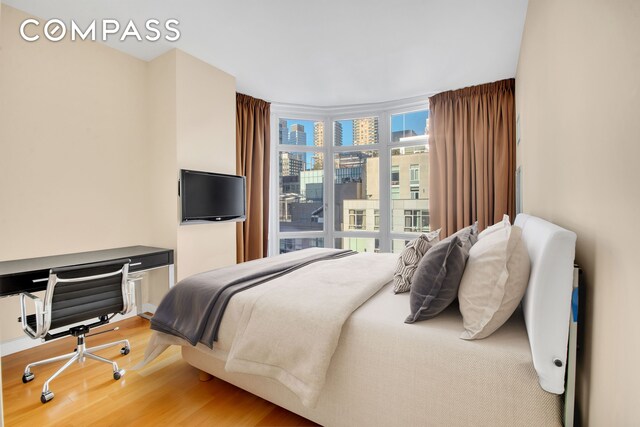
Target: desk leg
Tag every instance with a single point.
(172, 277)
(137, 279)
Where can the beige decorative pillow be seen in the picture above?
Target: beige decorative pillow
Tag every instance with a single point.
(494, 282)
(409, 259)
(501, 225)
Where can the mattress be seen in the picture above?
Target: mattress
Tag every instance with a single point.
(386, 372)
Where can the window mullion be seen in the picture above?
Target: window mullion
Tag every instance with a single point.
(329, 205)
(385, 182)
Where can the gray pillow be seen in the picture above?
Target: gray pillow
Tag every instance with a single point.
(409, 259)
(436, 280)
(468, 237)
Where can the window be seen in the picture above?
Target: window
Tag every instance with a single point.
(334, 170)
(395, 175)
(395, 192)
(306, 133)
(409, 127)
(414, 171)
(300, 184)
(301, 191)
(356, 187)
(355, 132)
(416, 220)
(357, 219)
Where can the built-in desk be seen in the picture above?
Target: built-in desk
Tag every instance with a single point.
(31, 275)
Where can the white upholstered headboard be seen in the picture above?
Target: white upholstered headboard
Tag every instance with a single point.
(547, 302)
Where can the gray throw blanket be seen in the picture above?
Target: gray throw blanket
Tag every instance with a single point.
(193, 309)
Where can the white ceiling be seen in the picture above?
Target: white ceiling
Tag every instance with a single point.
(326, 52)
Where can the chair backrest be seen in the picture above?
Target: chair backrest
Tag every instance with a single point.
(79, 293)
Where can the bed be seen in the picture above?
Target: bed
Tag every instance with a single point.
(385, 372)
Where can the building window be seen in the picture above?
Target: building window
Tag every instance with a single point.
(395, 175)
(376, 219)
(416, 220)
(414, 178)
(357, 219)
(415, 194)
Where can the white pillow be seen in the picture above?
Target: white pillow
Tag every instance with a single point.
(505, 223)
(494, 282)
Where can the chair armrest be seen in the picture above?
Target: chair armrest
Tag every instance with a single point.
(41, 329)
(129, 296)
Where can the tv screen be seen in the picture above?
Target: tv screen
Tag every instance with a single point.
(210, 196)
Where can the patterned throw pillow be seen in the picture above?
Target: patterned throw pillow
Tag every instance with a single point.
(409, 259)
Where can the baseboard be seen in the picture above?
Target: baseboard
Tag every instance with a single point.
(25, 343)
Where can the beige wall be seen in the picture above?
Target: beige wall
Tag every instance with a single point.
(91, 142)
(163, 164)
(192, 105)
(206, 135)
(578, 98)
(73, 132)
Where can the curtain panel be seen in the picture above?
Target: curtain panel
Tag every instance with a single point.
(252, 161)
(472, 156)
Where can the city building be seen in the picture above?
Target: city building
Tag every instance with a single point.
(365, 131)
(318, 141)
(297, 136)
(291, 164)
(337, 133)
(283, 132)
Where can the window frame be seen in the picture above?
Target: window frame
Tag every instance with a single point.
(328, 116)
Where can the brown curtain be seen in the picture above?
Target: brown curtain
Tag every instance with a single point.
(252, 161)
(472, 156)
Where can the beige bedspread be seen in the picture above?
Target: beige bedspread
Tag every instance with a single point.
(288, 329)
(290, 332)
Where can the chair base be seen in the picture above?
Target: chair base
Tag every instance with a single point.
(79, 355)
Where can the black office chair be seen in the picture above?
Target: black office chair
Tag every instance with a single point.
(77, 294)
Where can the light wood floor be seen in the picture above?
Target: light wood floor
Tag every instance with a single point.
(166, 392)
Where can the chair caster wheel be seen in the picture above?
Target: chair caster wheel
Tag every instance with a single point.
(27, 377)
(45, 397)
(125, 350)
(118, 374)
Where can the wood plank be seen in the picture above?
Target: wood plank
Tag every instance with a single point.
(167, 392)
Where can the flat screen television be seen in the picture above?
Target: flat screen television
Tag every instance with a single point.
(211, 197)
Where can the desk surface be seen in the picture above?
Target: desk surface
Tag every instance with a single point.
(47, 262)
(18, 275)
